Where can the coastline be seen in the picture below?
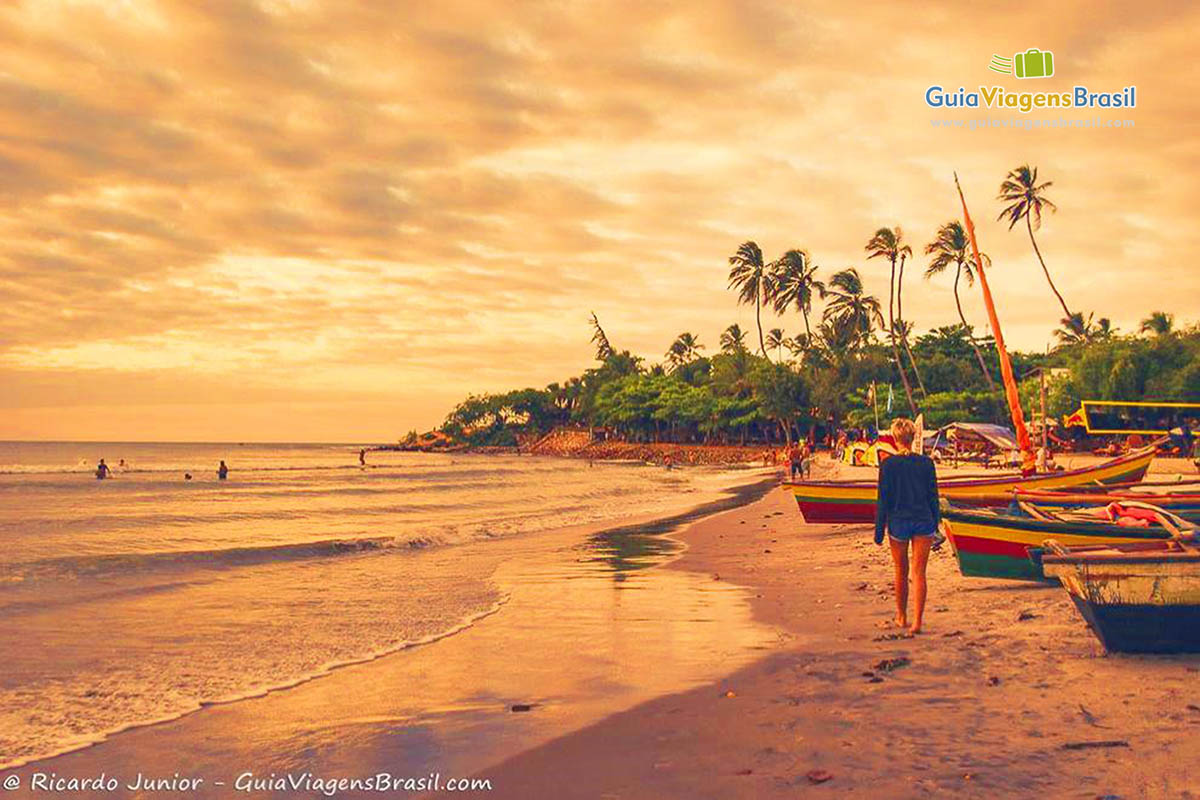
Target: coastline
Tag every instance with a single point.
(263, 729)
(1005, 677)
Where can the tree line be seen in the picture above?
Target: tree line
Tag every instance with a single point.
(823, 375)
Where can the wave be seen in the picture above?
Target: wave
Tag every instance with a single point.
(122, 563)
(80, 742)
(384, 470)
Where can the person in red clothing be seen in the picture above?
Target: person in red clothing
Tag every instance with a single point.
(907, 511)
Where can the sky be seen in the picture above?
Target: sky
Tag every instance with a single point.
(295, 220)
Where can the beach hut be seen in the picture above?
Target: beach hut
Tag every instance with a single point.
(971, 441)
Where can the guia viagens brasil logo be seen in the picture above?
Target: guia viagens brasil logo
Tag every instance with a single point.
(1032, 63)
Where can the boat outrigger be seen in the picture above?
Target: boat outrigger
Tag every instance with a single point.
(854, 501)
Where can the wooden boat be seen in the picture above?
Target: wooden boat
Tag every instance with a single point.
(1136, 598)
(1182, 504)
(993, 544)
(854, 501)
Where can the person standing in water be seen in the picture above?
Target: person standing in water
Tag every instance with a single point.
(907, 510)
(222, 472)
(102, 470)
(362, 457)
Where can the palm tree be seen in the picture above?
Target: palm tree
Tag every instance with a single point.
(1026, 198)
(1077, 330)
(683, 350)
(905, 254)
(1073, 329)
(733, 339)
(775, 340)
(888, 243)
(1160, 323)
(837, 339)
(748, 274)
(850, 309)
(794, 279)
(950, 247)
(600, 339)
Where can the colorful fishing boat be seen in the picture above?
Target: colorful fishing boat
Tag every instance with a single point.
(993, 544)
(1136, 598)
(1182, 504)
(854, 501)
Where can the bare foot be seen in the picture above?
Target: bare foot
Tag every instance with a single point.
(915, 629)
(901, 622)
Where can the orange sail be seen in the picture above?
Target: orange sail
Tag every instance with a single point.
(1028, 460)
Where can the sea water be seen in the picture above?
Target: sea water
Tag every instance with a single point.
(146, 596)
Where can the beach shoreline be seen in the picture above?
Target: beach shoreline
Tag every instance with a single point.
(1006, 676)
(1006, 694)
(334, 701)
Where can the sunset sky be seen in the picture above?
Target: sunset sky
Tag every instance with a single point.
(297, 220)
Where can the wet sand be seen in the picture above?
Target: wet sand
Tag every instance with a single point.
(1005, 677)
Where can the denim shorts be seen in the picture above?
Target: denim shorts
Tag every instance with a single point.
(905, 530)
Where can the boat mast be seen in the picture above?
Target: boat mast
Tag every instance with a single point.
(1028, 461)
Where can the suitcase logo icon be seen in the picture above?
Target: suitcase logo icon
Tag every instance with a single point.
(1033, 63)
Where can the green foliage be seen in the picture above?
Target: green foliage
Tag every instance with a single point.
(740, 395)
(497, 419)
(1163, 367)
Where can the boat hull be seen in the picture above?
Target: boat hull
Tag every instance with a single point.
(1143, 627)
(1139, 602)
(991, 545)
(854, 501)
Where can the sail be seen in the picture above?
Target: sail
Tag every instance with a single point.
(1028, 460)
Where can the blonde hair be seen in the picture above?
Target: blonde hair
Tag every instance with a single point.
(904, 431)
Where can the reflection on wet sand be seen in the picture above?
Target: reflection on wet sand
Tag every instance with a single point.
(586, 629)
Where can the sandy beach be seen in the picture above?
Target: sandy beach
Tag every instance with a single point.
(1006, 694)
(405, 404)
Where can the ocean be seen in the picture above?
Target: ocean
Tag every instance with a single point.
(147, 596)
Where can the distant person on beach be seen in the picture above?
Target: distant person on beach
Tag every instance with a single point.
(907, 510)
(795, 465)
(222, 472)
(187, 476)
(839, 448)
(362, 458)
(102, 470)
(805, 460)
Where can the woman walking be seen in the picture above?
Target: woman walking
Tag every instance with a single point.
(907, 509)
